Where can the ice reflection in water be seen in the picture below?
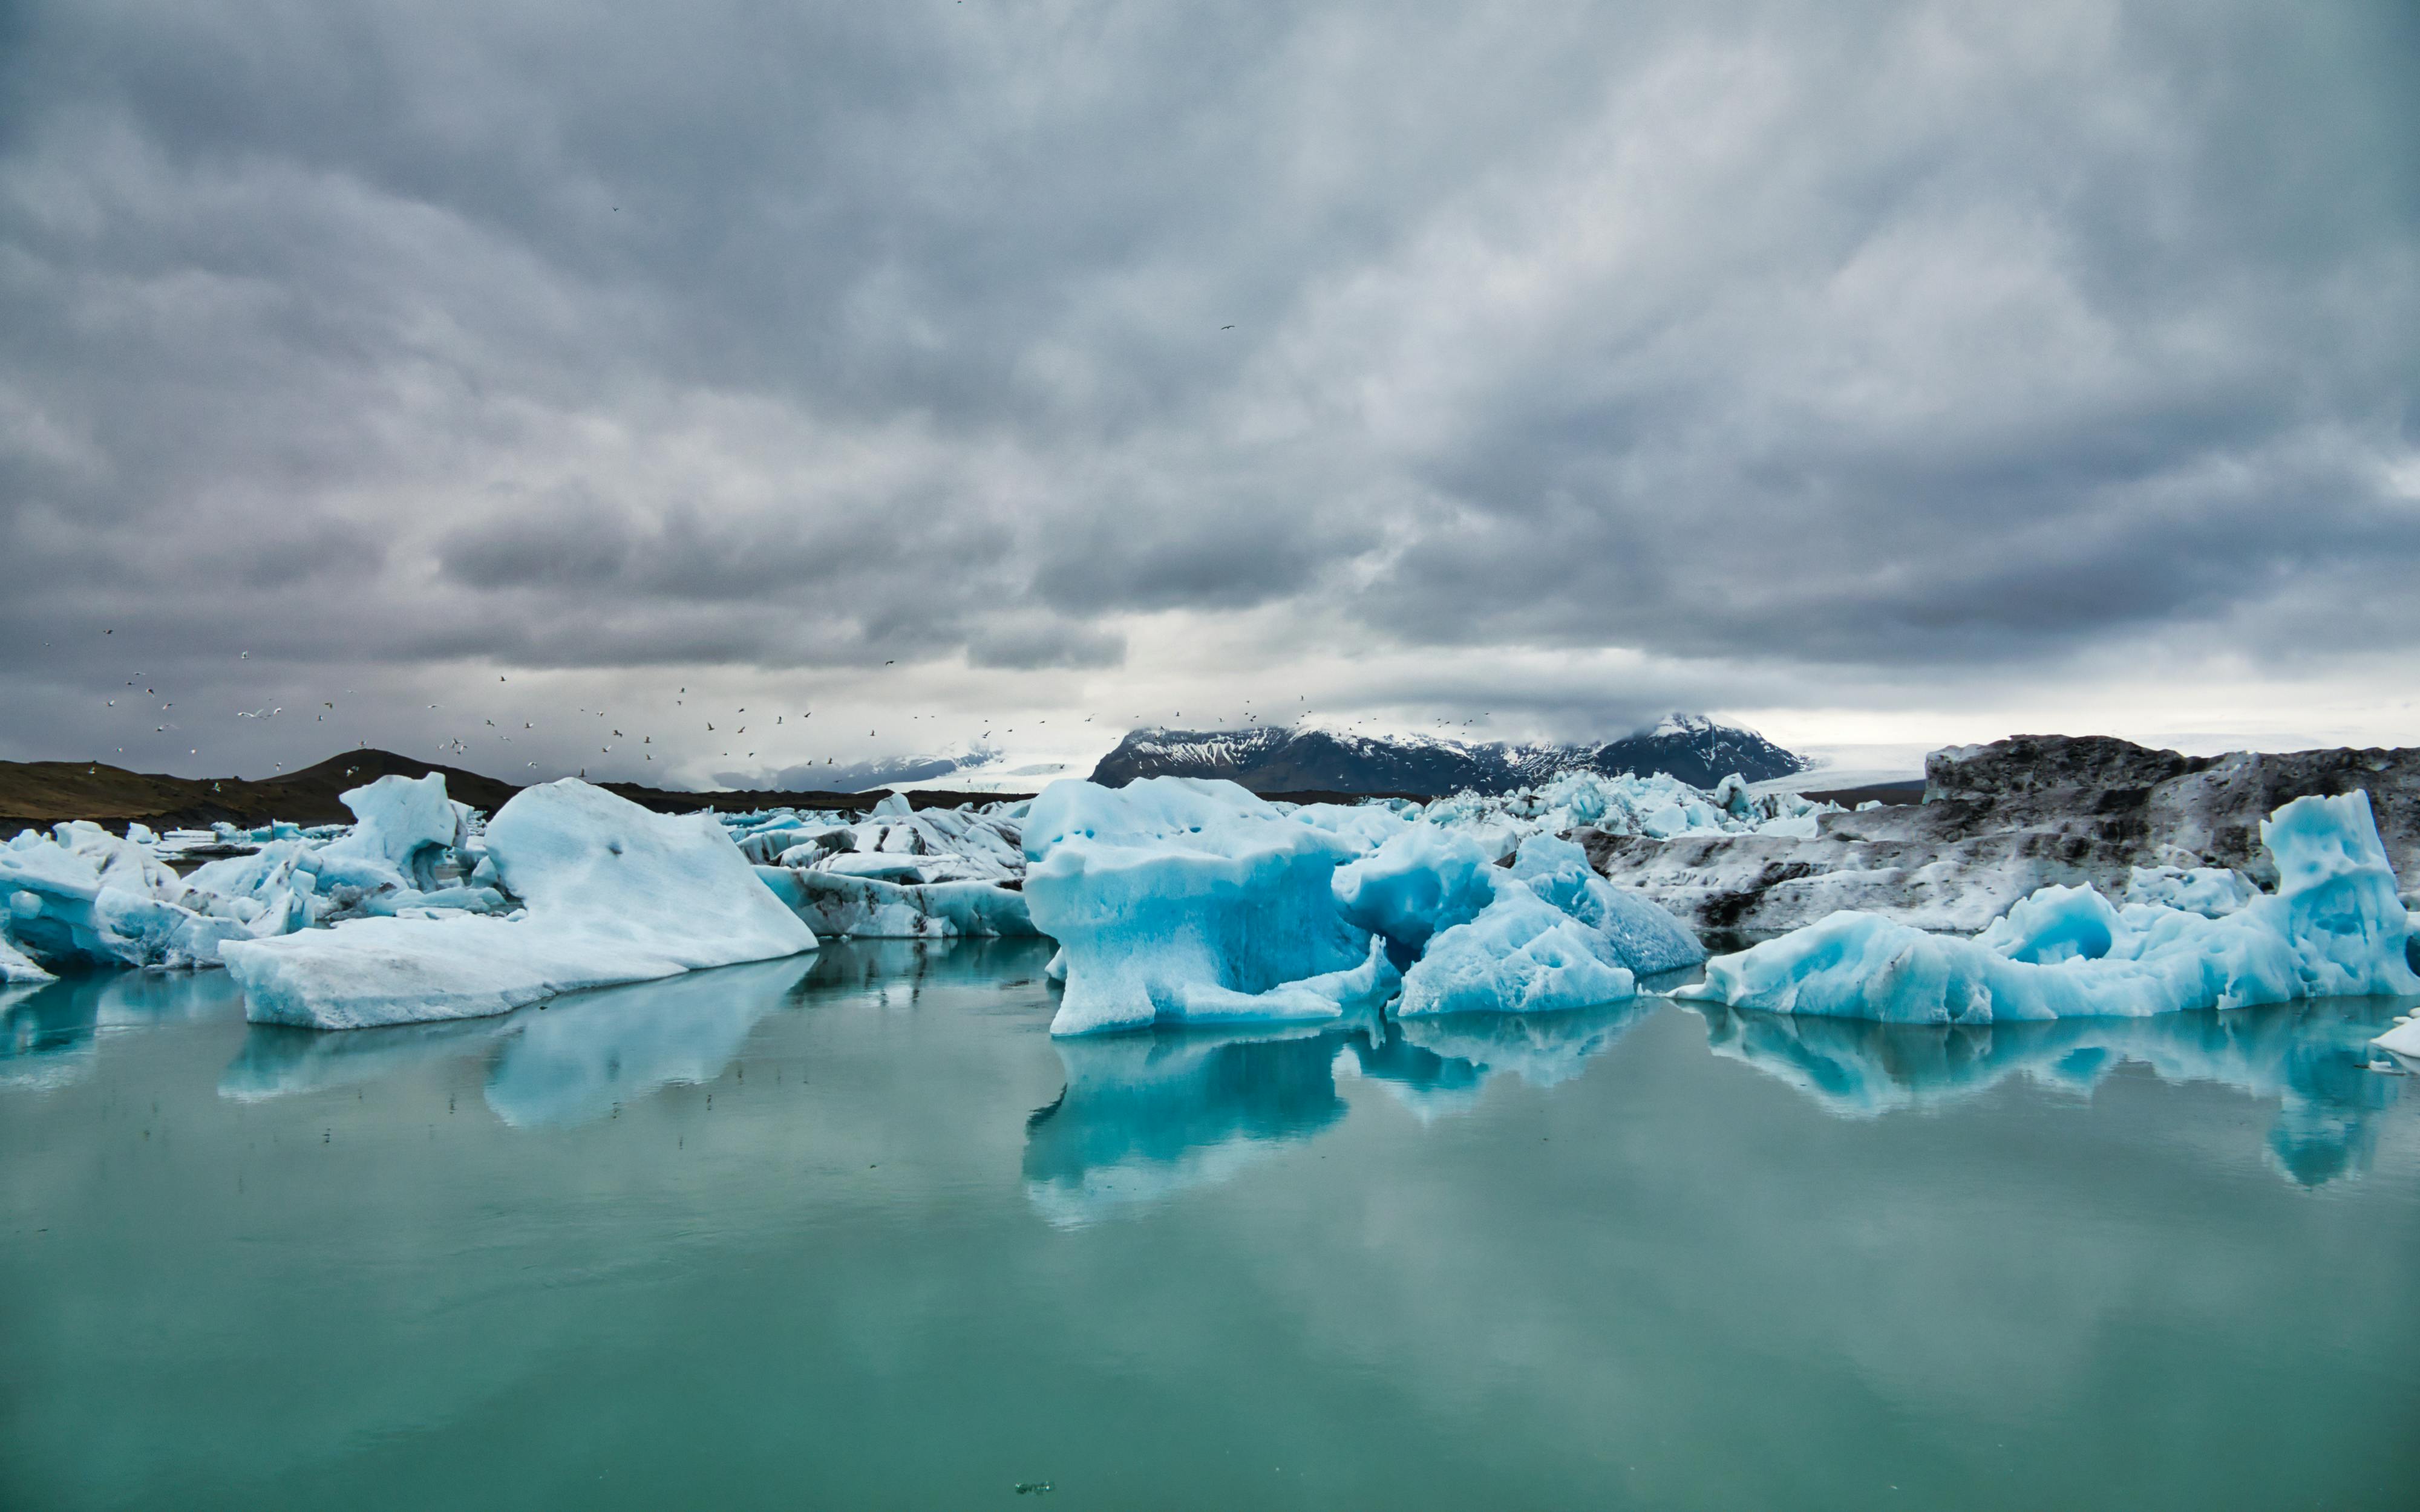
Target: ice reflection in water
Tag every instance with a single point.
(571, 1065)
(573, 1060)
(567, 1063)
(50, 1032)
(2312, 1056)
(1148, 1113)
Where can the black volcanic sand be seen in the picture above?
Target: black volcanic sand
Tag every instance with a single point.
(41, 794)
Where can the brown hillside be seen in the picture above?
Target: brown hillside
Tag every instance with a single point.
(38, 795)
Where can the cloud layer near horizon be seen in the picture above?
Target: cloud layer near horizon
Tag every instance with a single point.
(1790, 354)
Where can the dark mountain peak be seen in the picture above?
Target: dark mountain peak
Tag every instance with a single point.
(1272, 759)
(1697, 750)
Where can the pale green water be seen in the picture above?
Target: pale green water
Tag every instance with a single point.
(827, 1234)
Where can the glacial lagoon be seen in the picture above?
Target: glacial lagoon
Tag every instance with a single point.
(852, 1231)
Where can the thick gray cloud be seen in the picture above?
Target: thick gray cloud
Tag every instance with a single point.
(1811, 347)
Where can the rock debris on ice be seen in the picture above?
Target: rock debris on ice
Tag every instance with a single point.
(2333, 928)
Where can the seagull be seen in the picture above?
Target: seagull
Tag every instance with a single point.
(1226, 327)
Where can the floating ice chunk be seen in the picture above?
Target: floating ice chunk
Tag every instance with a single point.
(15, 966)
(1177, 894)
(2209, 890)
(60, 911)
(1422, 880)
(898, 868)
(406, 825)
(126, 864)
(1520, 955)
(866, 908)
(271, 889)
(1644, 937)
(2403, 1043)
(613, 893)
(1425, 881)
(1366, 825)
(2333, 928)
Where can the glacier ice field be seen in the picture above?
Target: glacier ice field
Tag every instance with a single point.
(1170, 901)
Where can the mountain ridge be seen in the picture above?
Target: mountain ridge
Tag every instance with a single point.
(1269, 759)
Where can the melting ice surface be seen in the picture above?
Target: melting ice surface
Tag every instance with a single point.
(853, 1228)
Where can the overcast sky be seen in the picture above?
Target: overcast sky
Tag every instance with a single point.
(1866, 373)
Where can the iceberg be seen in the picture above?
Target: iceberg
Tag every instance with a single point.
(1419, 882)
(1187, 900)
(1642, 936)
(1178, 899)
(89, 898)
(868, 908)
(2403, 1043)
(16, 967)
(1543, 935)
(2333, 928)
(1522, 955)
(405, 826)
(611, 893)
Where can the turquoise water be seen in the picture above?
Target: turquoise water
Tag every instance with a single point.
(852, 1231)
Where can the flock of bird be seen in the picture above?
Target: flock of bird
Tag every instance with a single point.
(455, 746)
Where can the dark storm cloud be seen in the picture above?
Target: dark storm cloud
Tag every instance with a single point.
(1817, 340)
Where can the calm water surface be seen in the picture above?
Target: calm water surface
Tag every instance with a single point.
(852, 1231)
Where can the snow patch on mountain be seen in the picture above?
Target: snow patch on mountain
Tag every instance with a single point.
(1308, 757)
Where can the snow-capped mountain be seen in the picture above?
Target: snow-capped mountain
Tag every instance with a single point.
(1690, 747)
(1700, 752)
